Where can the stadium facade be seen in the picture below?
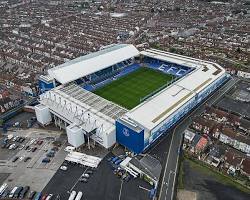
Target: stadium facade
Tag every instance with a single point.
(68, 96)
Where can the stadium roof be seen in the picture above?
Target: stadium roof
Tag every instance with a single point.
(159, 107)
(92, 63)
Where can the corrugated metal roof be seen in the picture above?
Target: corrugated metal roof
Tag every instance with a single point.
(92, 63)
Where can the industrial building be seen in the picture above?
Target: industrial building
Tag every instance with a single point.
(68, 97)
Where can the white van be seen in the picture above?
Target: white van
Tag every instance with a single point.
(12, 192)
(3, 188)
(69, 149)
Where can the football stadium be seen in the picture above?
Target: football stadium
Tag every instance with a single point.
(125, 96)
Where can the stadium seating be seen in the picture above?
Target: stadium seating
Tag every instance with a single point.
(169, 68)
(128, 70)
(109, 76)
(123, 68)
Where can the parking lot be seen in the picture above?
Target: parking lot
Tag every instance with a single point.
(24, 165)
(231, 103)
(102, 184)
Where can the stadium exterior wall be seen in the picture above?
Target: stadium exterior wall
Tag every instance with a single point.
(130, 138)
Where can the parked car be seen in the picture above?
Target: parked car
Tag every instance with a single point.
(49, 197)
(31, 194)
(27, 147)
(17, 192)
(8, 145)
(24, 192)
(15, 146)
(4, 145)
(83, 180)
(50, 154)
(44, 197)
(34, 149)
(11, 195)
(55, 149)
(89, 172)
(5, 194)
(11, 146)
(26, 159)
(32, 141)
(15, 138)
(15, 159)
(64, 168)
(39, 142)
(46, 160)
(38, 196)
(110, 159)
(114, 159)
(85, 175)
(117, 162)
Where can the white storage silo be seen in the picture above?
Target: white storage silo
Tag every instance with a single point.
(75, 135)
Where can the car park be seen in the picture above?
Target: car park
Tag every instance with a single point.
(31, 194)
(15, 159)
(24, 192)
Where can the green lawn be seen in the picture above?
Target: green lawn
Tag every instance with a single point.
(128, 90)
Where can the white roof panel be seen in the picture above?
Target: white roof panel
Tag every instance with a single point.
(92, 63)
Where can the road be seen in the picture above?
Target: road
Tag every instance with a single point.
(167, 186)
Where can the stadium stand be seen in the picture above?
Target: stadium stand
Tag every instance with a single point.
(168, 68)
(106, 76)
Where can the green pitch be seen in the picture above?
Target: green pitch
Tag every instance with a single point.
(128, 90)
